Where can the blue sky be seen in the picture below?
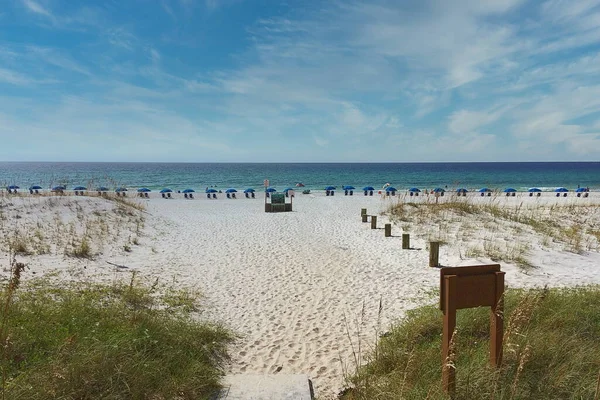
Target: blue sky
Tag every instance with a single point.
(266, 81)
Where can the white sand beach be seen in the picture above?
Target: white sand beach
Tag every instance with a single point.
(303, 288)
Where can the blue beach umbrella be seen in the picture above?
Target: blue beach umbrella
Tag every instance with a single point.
(534, 190)
(121, 189)
(484, 190)
(211, 190)
(287, 189)
(461, 190)
(367, 188)
(231, 190)
(100, 189)
(561, 190)
(35, 187)
(189, 191)
(58, 188)
(249, 190)
(348, 187)
(270, 190)
(78, 188)
(581, 190)
(13, 187)
(509, 190)
(439, 190)
(166, 190)
(390, 189)
(414, 190)
(144, 190)
(330, 188)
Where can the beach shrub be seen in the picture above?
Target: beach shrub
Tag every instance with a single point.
(551, 351)
(121, 341)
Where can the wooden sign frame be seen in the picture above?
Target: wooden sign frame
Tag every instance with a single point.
(468, 287)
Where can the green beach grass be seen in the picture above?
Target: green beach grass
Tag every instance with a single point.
(119, 341)
(551, 351)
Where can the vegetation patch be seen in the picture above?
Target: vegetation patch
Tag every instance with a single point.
(551, 351)
(121, 341)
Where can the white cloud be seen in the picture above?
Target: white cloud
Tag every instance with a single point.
(465, 121)
(36, 8)
(14, 78)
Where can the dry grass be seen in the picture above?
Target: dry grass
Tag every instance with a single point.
(501, 232)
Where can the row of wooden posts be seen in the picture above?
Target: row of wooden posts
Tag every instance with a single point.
(434, 247)
(462, 287)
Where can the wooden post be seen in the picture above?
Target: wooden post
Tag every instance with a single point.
(373, 221)
(388, 230)
(405, 241)
(448, 367)
(434, 254)
(363, 211)
(364, 217)
(497, 322)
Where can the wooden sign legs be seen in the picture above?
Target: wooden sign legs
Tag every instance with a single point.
(468, 287)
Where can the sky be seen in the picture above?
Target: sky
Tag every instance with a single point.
(299, 81)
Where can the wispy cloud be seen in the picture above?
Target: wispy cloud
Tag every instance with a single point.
(37, 8)
(13, 77)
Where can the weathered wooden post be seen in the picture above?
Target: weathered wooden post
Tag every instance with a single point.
(363, 211)
(373, 221)
(388, 230)
(405, 241)
(364, 217)
(434, 254)
(468, 287)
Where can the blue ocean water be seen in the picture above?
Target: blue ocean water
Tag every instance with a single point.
(546, 175)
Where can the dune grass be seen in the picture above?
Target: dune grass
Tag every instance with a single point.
(118, 341)
(551, 351)
(482, 228)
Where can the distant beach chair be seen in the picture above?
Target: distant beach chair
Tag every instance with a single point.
(366, 193)
(326, 192)
(208, 195)
(565, 195)
(247, 195)
(332, 192)
(163, 196)
(411, 194)
(228, 195)
(351, 192)
(214, 195)
(233, 196)
(267, 195)
(557, 194)
(169, 195)
(191, 195)
(513, 194)
(252, 194)
(585, 194)
(185, 195)
(370, 193)
(345, 193)
(146, 195)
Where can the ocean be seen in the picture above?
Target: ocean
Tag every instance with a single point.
(315, 176)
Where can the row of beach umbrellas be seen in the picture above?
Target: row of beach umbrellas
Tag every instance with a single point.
(272, 189)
